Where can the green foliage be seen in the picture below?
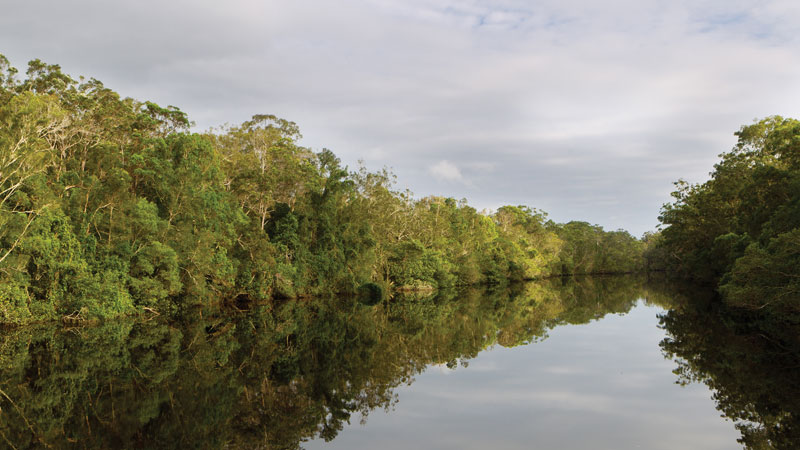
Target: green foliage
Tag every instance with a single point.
(739, 230)
(110, 206)
(767, 276)
(588, 249)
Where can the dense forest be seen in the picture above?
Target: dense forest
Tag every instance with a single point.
(739, 233)
(740, 230)
(111, 206)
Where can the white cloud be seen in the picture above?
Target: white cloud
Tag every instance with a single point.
(570, 101)
(447, 171)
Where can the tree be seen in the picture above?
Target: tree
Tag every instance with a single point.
(743, 221)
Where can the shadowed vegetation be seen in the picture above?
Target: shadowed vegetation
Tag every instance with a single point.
(740, 231)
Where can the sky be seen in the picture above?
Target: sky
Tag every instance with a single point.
(586, 110)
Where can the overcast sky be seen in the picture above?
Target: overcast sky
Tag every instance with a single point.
(587, 110)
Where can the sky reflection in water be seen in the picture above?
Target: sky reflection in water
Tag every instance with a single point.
(275, 375)
(602, 385)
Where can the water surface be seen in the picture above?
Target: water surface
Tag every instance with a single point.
(609, 362)
(601, 385)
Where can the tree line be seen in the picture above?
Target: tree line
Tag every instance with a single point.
(740, 230)
(112, 206)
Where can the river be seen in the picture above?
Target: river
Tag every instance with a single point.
(602, 363)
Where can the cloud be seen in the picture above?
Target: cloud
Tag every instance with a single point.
(446, 171)
(572, 103)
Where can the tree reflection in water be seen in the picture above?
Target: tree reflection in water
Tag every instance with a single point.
(750, 360)
(273, 376)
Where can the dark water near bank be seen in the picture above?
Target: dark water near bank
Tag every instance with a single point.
(612, 362)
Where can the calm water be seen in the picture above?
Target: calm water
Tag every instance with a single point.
(602, 363)
(601, 385)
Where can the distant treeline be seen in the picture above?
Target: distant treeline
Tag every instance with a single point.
(740, 230)
(110, 206)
